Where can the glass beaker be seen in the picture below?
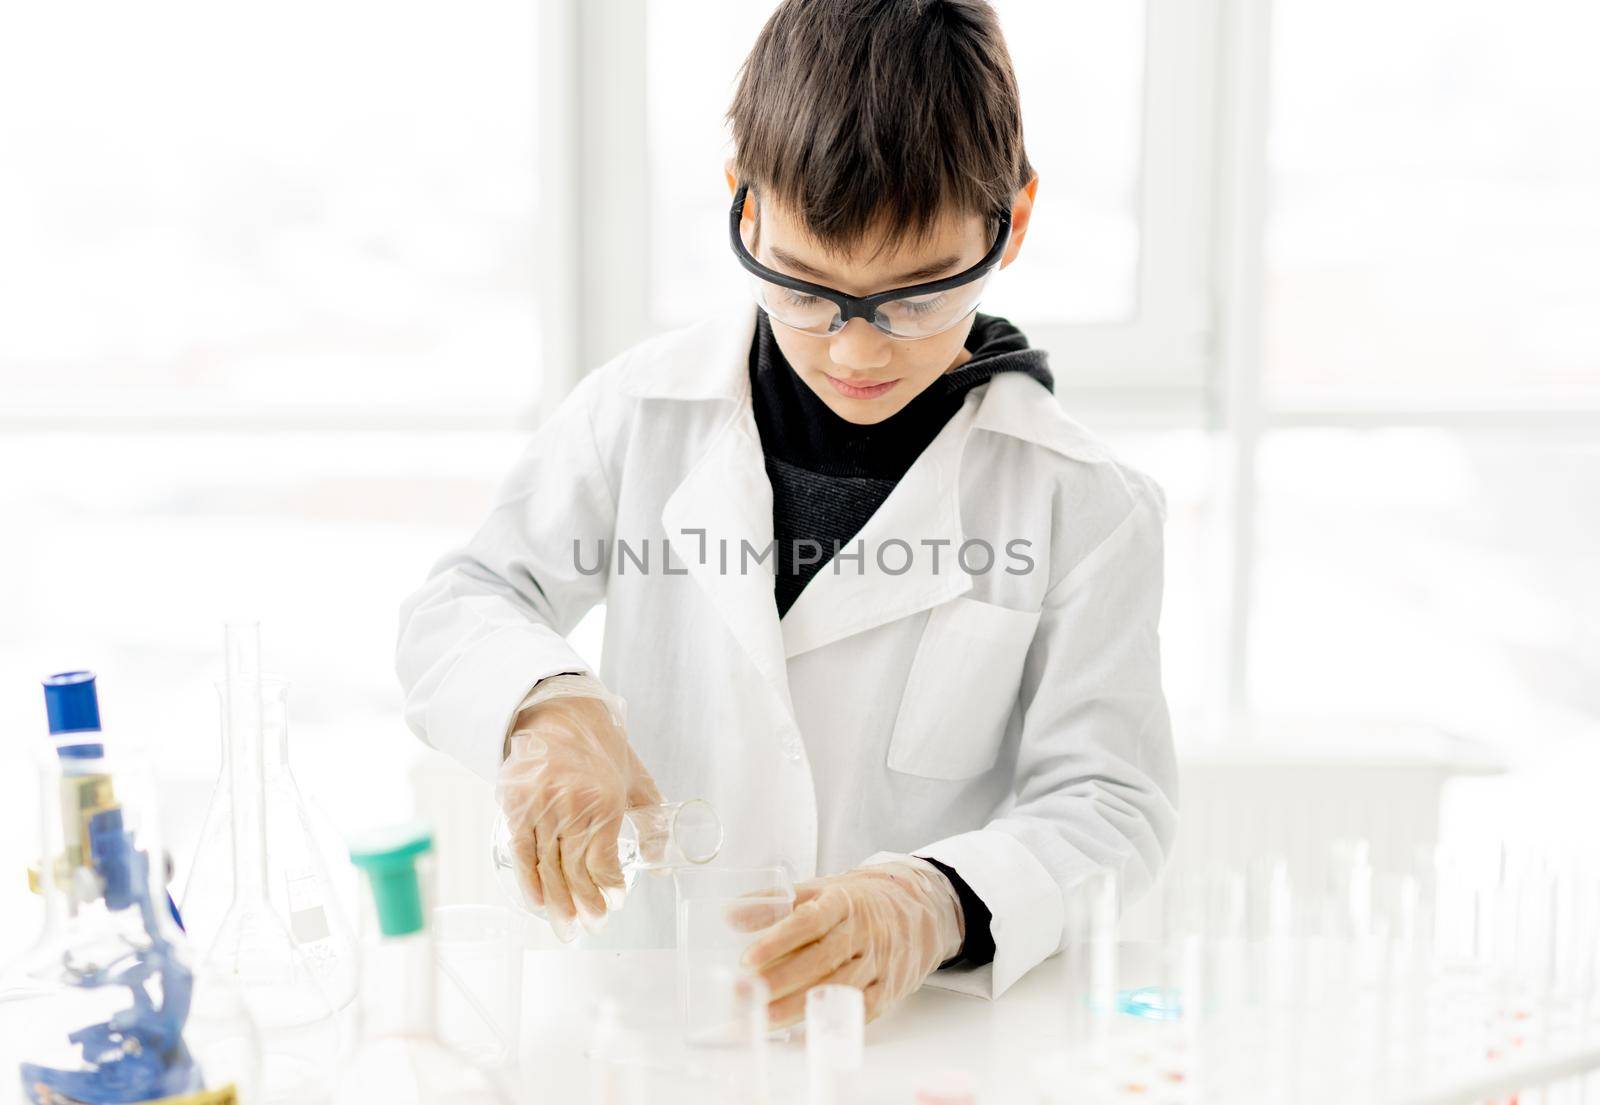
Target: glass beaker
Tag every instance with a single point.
(253, 943)
(479, 950)
(400, 1056)
(651, 838)
(720, 911)
(301, 848)
(107, 1005)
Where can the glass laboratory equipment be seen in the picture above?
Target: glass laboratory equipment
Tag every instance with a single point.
(719, 912)
(836, 1021)
(617, 1055)
(1080, 1068)
(253, 943)
(107, 1006)
(1090, 963)
(731, 1064)
(302, 851)
(479, 950)
(651, 838)
(399, 1056)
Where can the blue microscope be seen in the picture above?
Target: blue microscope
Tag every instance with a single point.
(139, 1055)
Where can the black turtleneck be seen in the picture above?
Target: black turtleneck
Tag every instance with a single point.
(829, 476)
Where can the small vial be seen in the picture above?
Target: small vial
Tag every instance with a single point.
(836, 1019)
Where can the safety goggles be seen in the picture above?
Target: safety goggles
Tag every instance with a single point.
(915, 311)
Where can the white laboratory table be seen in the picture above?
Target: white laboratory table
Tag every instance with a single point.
(997, 1043)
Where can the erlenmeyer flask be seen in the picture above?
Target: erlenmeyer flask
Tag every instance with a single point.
(301, 854)
(299, 1035)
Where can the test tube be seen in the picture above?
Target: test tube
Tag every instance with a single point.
(836, 1018)
(1216, 1015)
(1270, 917)
(1090, 964)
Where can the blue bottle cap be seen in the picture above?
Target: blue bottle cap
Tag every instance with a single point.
(92, 751)
(71, 703)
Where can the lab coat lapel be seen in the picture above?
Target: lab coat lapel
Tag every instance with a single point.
(919, 527)
(718, 522)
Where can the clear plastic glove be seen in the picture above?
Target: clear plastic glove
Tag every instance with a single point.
(883, 929)
(568, 775)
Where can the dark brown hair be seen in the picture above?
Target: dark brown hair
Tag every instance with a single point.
(880, 116)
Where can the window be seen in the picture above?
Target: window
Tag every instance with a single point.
(1190, 464)
(692, 69)
(271, 287)
(1432, 218)
(203, 206)
(1430, 372)
(1080, 68)
(1431, 576)
(136, 546)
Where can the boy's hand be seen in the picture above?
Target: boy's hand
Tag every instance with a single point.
(568, 775)
(883, 929)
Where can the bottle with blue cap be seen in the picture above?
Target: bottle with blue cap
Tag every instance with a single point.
(400, 1055)
(106, 1006)
(73, 708)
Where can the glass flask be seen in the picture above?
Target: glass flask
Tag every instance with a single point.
(666, 837)
(252, 943)
(399, 1056)
(302, 854)
(106, 1006)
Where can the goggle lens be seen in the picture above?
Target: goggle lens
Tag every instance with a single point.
(915, 317)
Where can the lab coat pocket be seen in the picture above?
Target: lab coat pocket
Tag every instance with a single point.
(961, 689)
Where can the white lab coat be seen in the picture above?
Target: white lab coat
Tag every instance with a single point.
(1010, 724)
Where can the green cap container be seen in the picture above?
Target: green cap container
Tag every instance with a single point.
(389, 857)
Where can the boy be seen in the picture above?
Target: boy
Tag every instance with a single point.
(868, 590)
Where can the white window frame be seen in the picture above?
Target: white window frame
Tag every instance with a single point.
(1158, 361)
(1245, 412)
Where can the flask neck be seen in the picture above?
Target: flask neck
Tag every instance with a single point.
(245, 764)
(398, 988)
(274, 728)
(274, 725)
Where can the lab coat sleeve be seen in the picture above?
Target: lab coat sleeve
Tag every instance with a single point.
(1095, 779)
(491, 619)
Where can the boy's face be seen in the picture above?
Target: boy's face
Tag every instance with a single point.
(862, 374)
